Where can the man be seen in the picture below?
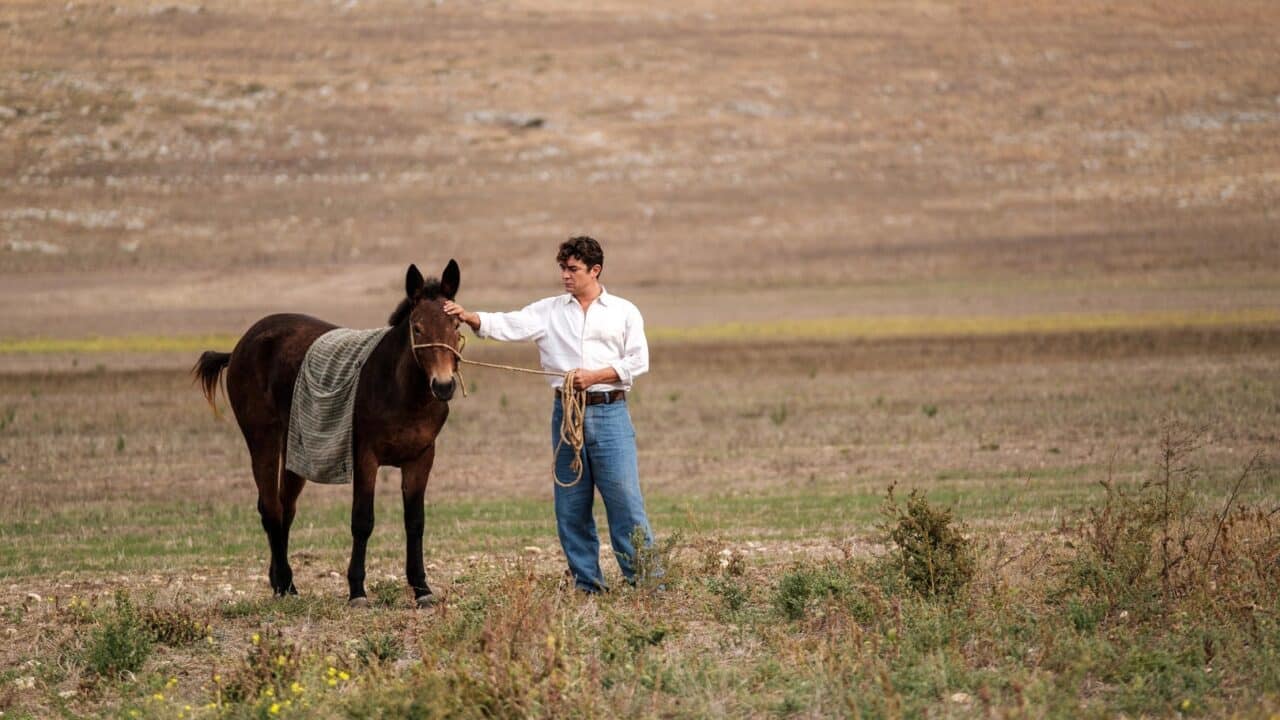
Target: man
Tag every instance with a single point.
(602, 337)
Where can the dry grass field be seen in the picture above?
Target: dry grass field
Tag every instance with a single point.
(1007, 254)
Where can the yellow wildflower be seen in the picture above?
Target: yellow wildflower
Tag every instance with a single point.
(158, 697)
(274, 709)
(255, 638)
(281, 660)
(332, 683)
(296, 688)
(342, 675)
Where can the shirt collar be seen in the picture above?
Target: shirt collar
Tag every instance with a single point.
(603, 298)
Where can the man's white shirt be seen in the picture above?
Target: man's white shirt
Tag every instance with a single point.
(609, 334)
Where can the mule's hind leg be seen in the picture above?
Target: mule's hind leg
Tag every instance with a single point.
(291, 485)
(267, 470)
(413, 487)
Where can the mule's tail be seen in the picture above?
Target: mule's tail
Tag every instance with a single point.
(207, 370)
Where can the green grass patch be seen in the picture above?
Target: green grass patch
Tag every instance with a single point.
(839, 328)
(834, 328)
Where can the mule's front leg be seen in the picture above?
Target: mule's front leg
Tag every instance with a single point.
(366, 476)
(413, 487)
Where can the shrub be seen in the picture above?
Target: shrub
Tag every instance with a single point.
(930, 553)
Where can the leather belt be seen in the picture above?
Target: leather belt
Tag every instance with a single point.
(597, 398)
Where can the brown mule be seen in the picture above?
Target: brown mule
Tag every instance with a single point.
(402, 401)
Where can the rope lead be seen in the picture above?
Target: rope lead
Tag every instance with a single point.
(573, 404)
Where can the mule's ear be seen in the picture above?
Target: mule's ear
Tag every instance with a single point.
(413, 282)
(450, 279)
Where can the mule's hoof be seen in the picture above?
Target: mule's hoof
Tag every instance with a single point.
(426, 601)
(358, 602)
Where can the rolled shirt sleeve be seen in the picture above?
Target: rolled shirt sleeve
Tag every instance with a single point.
(635, 350)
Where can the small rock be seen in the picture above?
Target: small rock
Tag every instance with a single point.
(66, 693)
(532, 550)
(962, 698)
(7, 113)
(34, 597)
(25, 683)
(516, 120)
(40, 246)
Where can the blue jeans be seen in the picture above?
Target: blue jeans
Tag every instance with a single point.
(608, 464)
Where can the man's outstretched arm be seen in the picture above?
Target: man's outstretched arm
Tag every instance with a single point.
(527, 323)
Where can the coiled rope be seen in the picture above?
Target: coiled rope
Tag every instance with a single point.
(572, 400)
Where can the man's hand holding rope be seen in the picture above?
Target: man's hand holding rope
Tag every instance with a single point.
(574, 400)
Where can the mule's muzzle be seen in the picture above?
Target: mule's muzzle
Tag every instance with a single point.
(443, 389)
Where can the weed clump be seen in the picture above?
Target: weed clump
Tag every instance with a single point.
(269, 667)
(654, 561)
(122, 643)
(1150, 547)
(175, 626)
(379, 648)
(730, 592)
(804, 586)
(387, 593)
(930, 553)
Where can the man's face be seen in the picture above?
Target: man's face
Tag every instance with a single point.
(576, 275)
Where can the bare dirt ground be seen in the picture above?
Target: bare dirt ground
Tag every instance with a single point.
(186, 168)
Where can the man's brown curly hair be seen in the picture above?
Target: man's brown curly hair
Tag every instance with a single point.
(583, 248)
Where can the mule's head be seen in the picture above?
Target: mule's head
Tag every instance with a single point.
(429, 324)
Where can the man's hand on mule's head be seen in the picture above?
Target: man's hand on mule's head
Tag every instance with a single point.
(454, 309)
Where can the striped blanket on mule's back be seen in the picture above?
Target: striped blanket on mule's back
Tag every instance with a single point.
(324, 399)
